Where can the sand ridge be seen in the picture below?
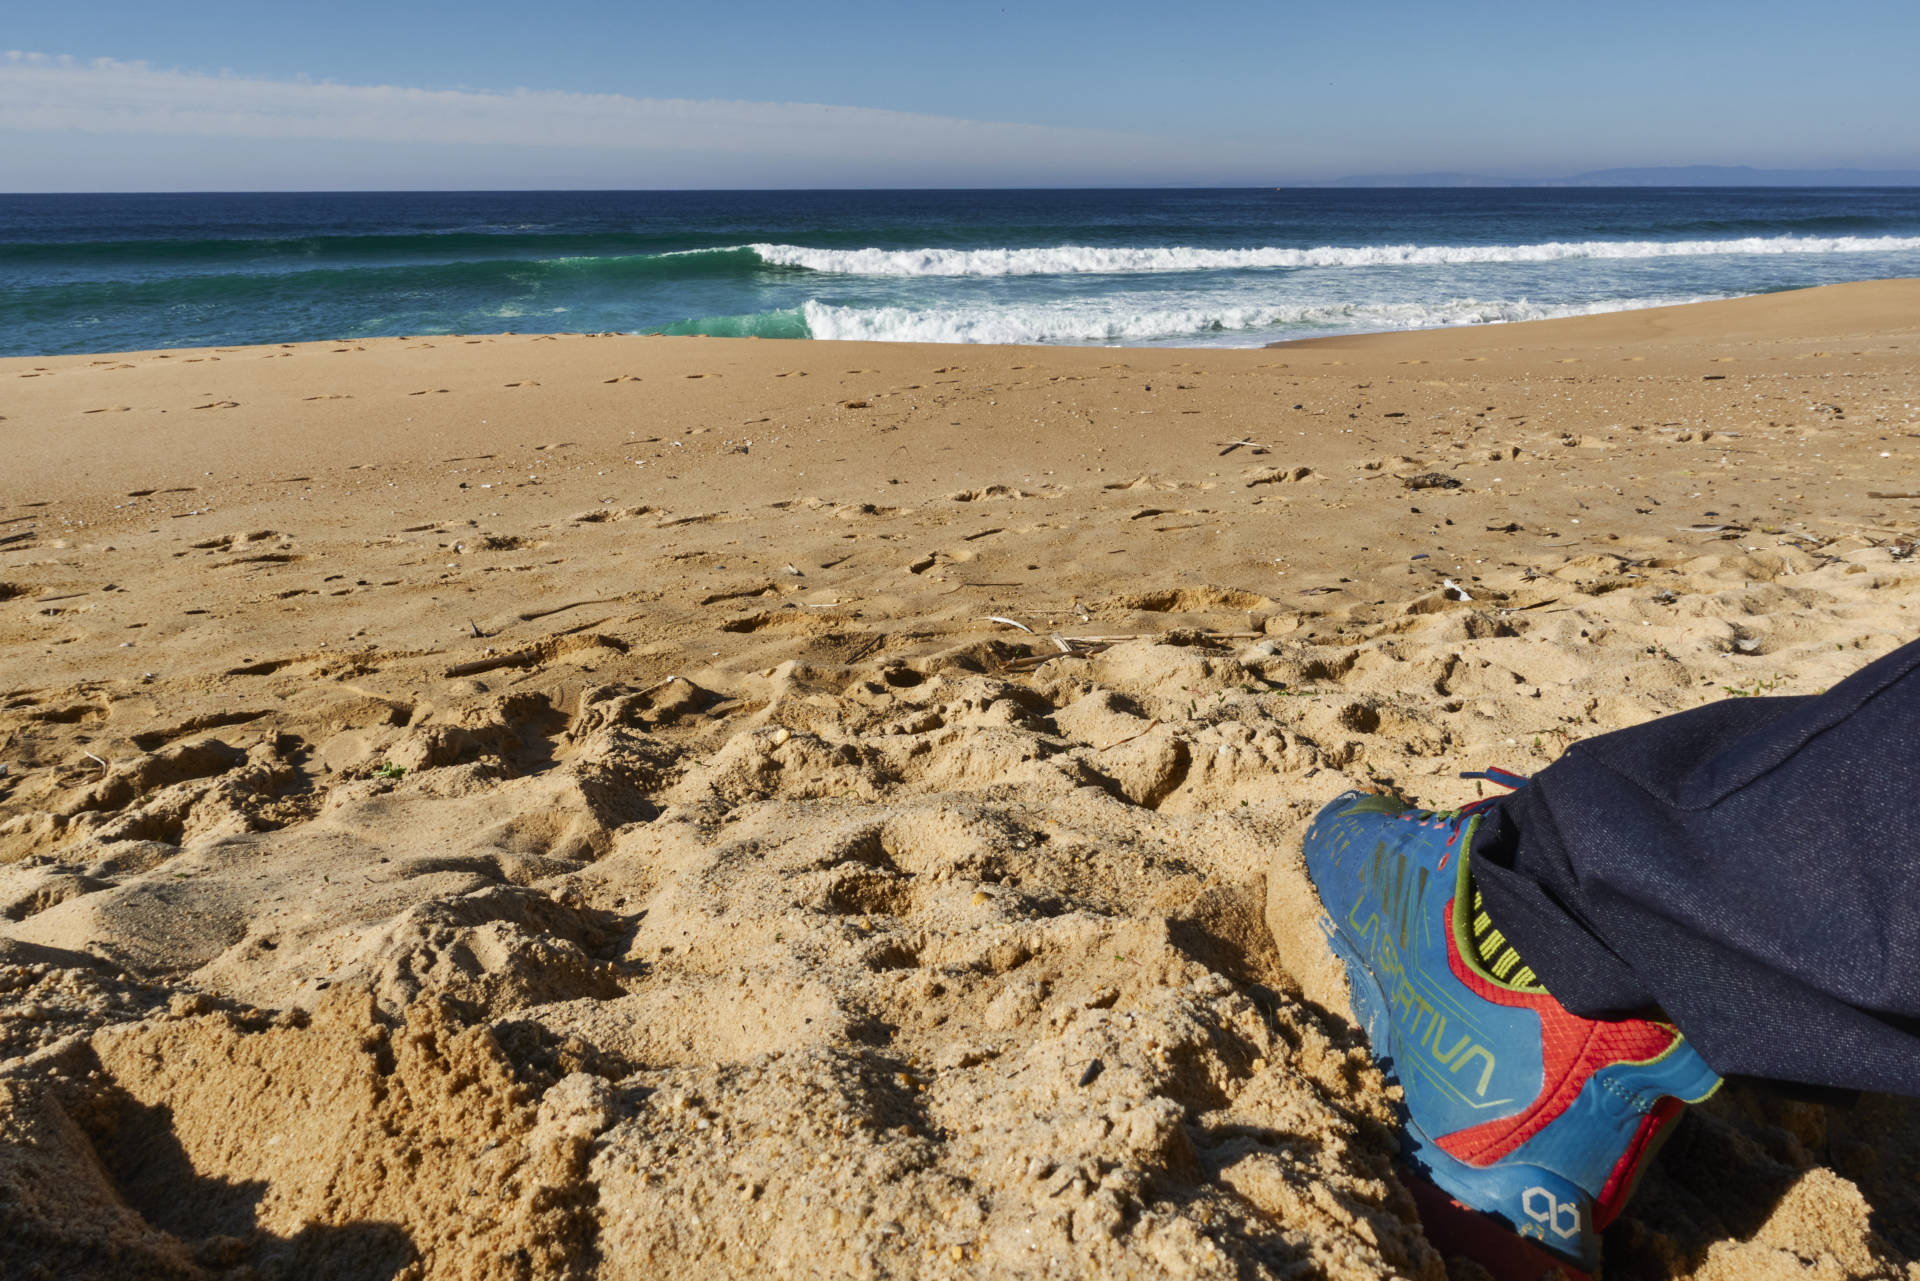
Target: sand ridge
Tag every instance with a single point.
(834, 814)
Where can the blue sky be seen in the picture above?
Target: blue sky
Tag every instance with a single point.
(483, 93)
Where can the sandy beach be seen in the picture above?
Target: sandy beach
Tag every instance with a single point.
(572, 805)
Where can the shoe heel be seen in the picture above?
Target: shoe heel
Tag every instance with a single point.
(1459, 1230)
(1680, 1073)
(1550, 1216)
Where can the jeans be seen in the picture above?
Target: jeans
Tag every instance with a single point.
(1751, 868)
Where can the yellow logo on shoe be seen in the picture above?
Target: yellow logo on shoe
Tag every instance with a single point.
(1423, 1015)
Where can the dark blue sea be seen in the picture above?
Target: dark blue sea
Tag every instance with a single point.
(1192, 268)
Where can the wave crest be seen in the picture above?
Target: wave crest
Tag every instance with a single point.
(1092, 324)
(1067, 260)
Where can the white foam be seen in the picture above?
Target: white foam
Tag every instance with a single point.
(1096, 260)
(1091, 323)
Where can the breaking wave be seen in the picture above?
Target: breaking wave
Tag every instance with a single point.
(1064, 260)
(1090, 323)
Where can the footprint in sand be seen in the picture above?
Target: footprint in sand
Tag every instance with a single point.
(524, 383)
(623, 378)
(108, 409)
(227, 542)
(703, 375)
(429, 391)
(990, 492)
(338, 395)
(219, 404)
(267, 668)
(601, 515)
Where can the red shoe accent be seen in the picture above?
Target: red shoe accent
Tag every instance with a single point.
(1626, 1172)
(1572, 1050)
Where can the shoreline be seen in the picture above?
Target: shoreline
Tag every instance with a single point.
(1780, 314)
(1892, 313)
(600, 772)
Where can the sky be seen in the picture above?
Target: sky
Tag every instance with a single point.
(486, 94)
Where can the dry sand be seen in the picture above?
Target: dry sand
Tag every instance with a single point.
(565, 806)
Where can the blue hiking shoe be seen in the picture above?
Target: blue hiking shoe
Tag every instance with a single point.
(1515, 1108)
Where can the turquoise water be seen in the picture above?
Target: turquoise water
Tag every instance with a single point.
(1203, 268)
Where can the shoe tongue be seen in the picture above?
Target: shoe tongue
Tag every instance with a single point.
(1498, 957)
(1482, 944)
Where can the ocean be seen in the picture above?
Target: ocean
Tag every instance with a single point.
(1236, 268)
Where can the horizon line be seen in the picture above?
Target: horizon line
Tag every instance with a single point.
(1348, 184)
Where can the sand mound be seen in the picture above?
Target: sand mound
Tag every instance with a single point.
(335, 1145)
(911, 968)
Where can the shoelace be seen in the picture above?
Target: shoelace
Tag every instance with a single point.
(1457, 818)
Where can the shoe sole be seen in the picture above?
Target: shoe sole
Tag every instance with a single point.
(1457, 1230)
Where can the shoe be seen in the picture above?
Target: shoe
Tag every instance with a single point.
(1515, 1108)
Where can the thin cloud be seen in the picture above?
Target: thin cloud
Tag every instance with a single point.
(46, 94)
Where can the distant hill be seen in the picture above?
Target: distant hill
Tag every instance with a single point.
(1415, 180)
(1651, 176)
(1739, 176)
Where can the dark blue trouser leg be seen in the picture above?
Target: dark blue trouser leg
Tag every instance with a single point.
(1752, 867)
